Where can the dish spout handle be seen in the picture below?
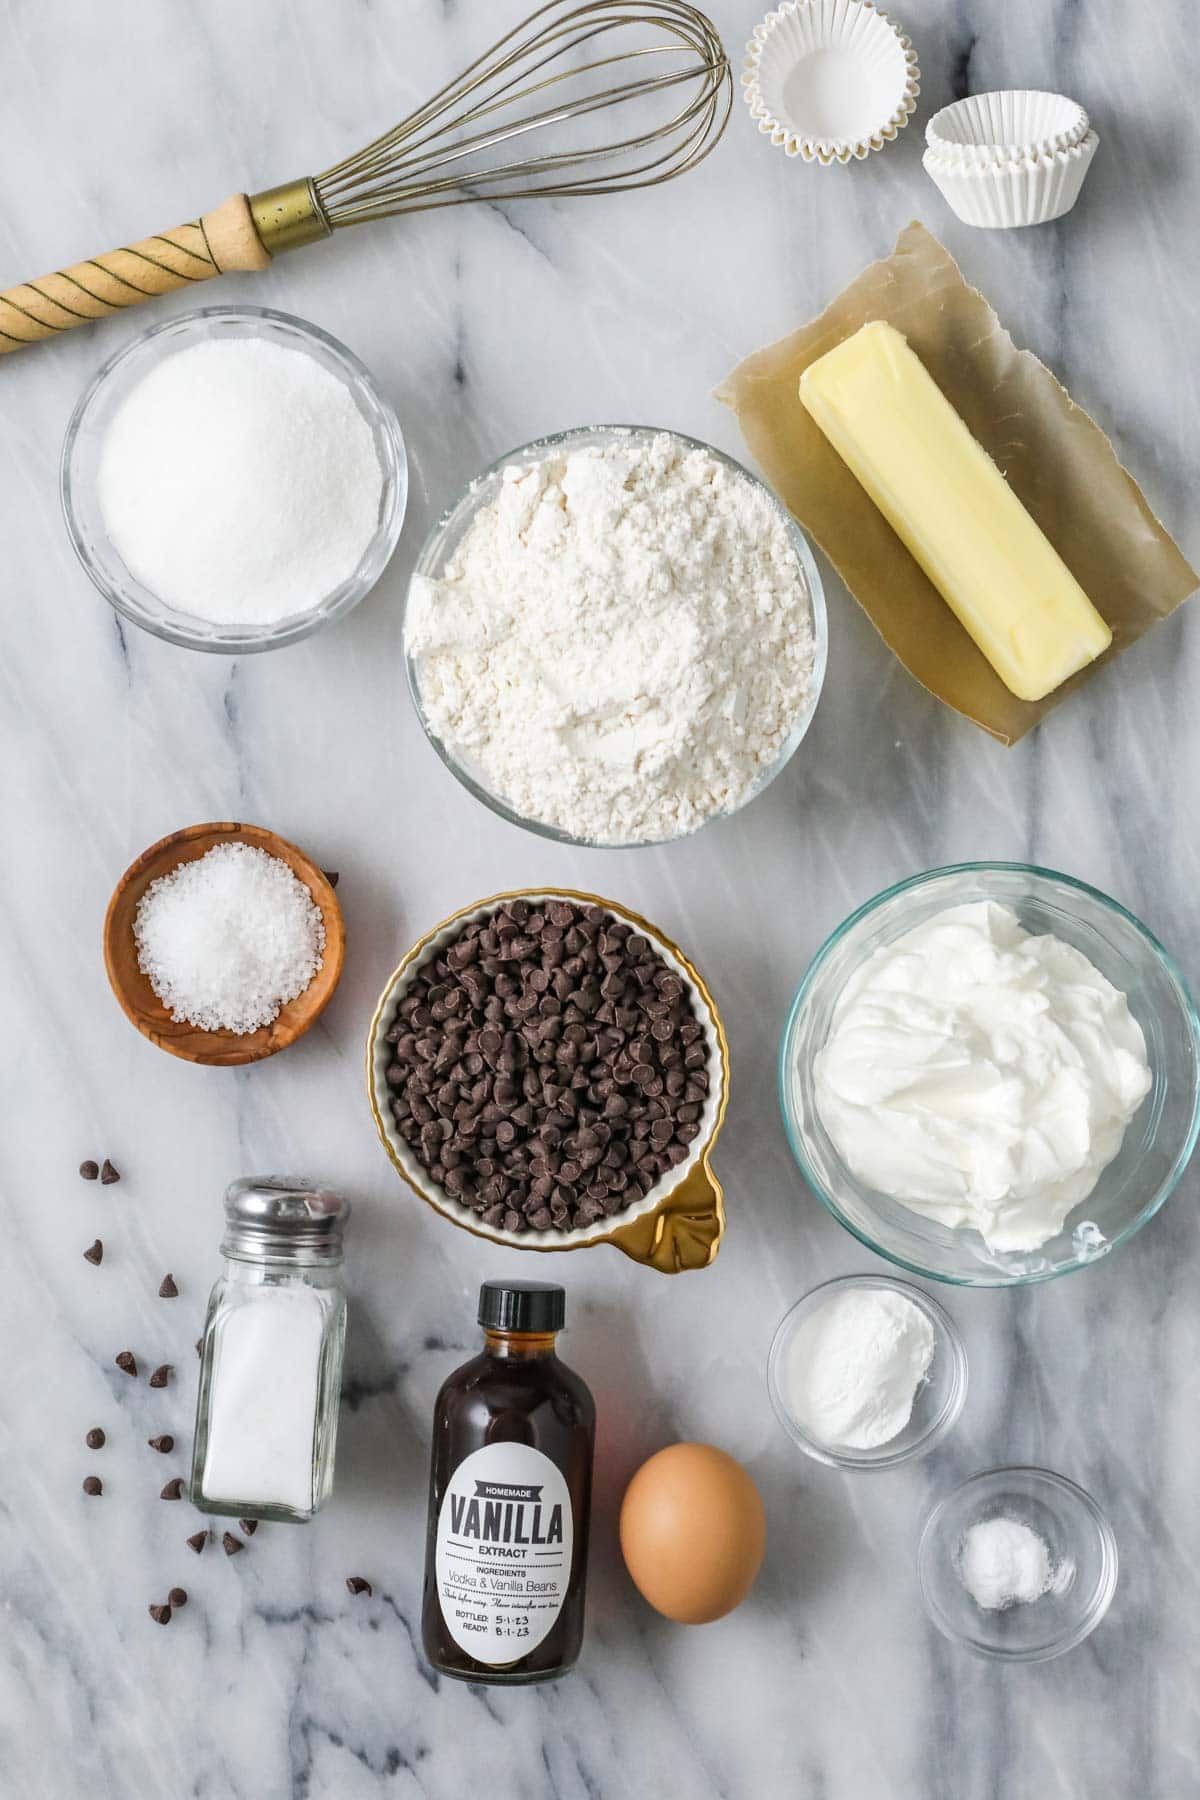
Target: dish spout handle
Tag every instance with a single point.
(684, 1232)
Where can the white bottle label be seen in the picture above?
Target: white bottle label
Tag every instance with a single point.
(503, 1556)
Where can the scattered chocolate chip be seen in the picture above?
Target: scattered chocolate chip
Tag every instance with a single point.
(249, 1526)
(358, 1585)
(161, 1375)
(95, 1253)
(164, 1443)
(108, 1174)
(92, 1484)
(173, 1489)
(197, 1541)
(231, 1545)
(160, 1614)
(89, 1170)
(178, 1596)
(95, 1439)
(331, 876)
(125, 1359)
(166, 1288)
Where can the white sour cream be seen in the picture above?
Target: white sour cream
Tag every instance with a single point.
(982, 1076)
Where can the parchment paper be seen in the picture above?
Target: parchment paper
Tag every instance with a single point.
(1056, 459)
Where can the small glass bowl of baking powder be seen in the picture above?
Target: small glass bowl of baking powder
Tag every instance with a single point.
(1076, 1547)
(88, 432)
(937, 1402)
(451, 529)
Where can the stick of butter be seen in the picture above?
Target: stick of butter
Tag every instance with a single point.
(947, 501)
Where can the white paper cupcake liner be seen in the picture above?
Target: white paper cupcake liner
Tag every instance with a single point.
(830, 80)
(1013, 126)
(1029, 191)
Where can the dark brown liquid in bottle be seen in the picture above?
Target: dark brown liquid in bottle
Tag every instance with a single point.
(516, 1392)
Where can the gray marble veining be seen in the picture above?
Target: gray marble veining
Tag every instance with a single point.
(487, 326)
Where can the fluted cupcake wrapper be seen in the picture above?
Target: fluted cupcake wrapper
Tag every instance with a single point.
(830, 80)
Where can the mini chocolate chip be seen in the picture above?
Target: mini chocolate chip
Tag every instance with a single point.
(173, 1489)
(166, 1288)
(231, 1545)
(197, 1541)
(160, 1614)
(331, 876)
(532, 1055)
(89, 1170)
(357, 1584)
(164, 1443)
(108, 1174)
(95, 1254)
(178, 1596)
(95, 1439)
(126, 1360)
(161, 1375)
(249, 1526)
(92, 1484)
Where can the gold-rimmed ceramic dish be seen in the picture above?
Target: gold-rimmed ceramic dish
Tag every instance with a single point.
(679, 1224)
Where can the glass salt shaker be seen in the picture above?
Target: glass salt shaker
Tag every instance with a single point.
(271, 1355)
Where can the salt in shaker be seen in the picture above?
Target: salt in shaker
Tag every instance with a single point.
(271, 1356)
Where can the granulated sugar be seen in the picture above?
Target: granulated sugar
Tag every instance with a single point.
(622, 642)
(229, 938)
(239, 482)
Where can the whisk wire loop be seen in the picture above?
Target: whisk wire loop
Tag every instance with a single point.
(437, 156)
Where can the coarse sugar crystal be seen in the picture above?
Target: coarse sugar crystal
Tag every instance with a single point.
(228, 939)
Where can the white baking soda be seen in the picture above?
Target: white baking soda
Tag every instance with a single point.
(262, 1408)
(239, 482)
(1003, 1562)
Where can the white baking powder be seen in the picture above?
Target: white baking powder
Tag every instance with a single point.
(1004, 1562)
(622, 642)
(853, 1367)
(239, 482)
(229, 938)
(262, 1408)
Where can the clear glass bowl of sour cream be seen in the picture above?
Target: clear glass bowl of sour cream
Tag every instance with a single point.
(1158, 1141)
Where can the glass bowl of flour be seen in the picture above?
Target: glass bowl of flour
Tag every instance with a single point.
(989, 1074)
(233, 480)
(614, 635)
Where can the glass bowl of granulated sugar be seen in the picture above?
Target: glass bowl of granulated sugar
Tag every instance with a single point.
(233, 480)
(614, 635)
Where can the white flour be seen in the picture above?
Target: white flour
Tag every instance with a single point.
(621, 643)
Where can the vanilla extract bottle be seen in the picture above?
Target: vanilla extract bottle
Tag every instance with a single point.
(509, 1495)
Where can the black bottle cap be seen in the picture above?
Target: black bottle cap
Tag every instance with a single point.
(522, 1306)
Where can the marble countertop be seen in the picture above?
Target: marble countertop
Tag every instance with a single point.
(486, 327)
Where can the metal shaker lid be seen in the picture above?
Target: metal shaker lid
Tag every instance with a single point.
(283, 1218)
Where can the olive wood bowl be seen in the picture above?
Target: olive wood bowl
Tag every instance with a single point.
(139, 1002)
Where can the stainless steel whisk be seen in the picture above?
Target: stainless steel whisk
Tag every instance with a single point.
(564, 63)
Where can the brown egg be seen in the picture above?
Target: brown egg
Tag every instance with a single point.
(693, 1532)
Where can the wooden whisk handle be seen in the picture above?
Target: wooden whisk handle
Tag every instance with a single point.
(223, 239)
